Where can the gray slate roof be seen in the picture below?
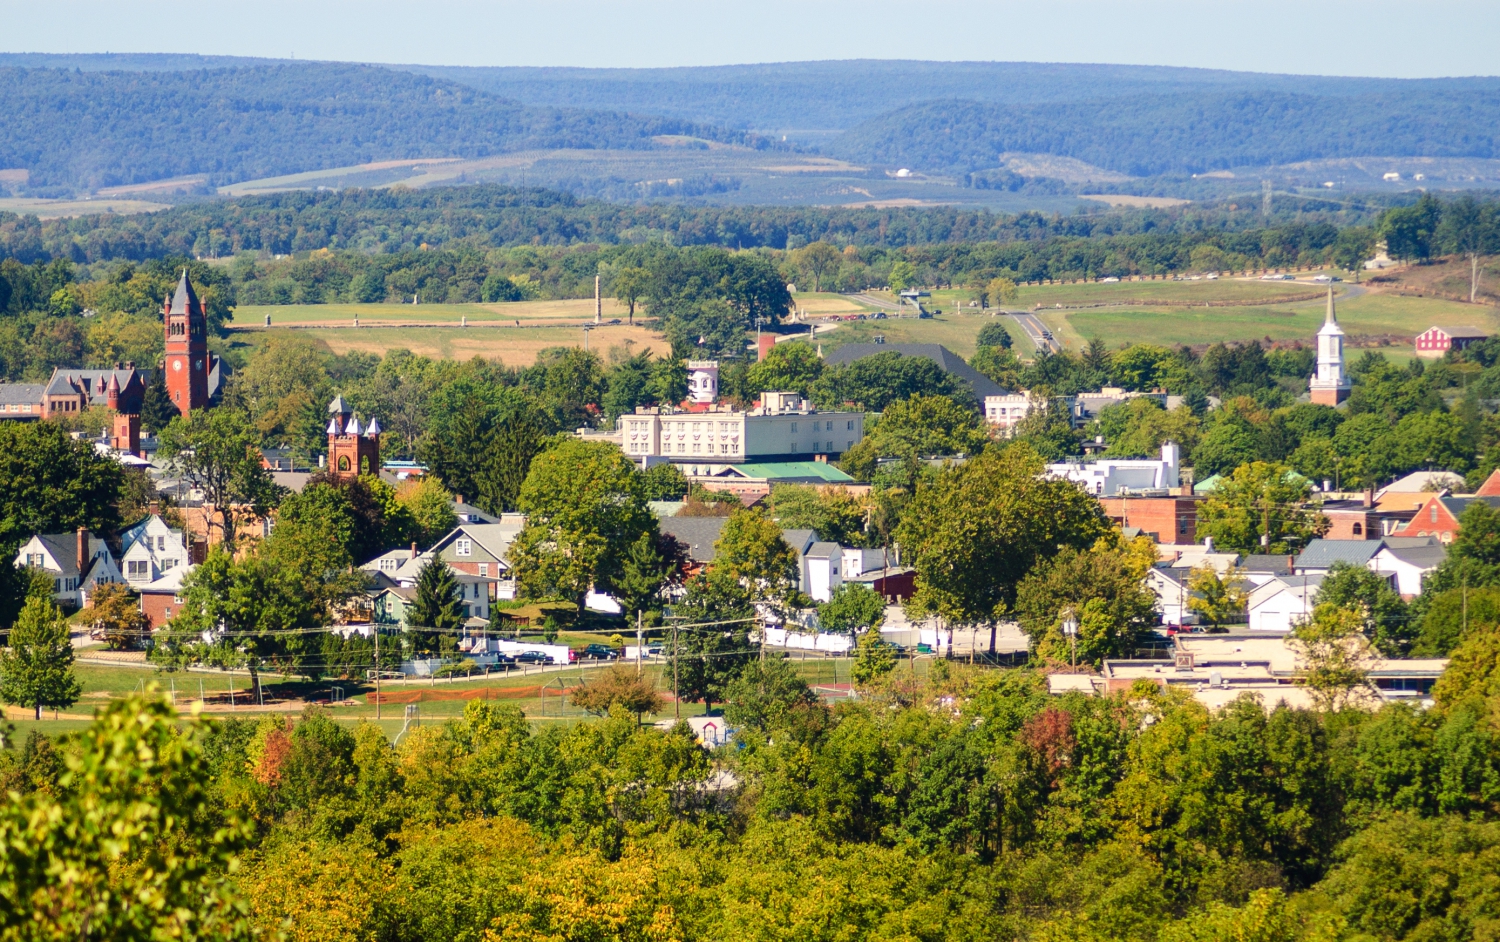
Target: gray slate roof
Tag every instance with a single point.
(19, 393)
(185, 298)
(948, 361)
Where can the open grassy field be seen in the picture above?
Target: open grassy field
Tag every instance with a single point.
(1367, 318)
(515, 333)
(540, 694)
(577, 310)
(58, 209)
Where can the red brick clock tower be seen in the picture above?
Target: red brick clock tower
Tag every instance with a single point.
(187, 361)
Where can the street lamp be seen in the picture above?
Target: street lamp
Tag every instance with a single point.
(1070, 628)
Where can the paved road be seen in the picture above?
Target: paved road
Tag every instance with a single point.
(873, 301)
(1036, 330)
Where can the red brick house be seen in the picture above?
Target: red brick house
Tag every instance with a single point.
(1439, 516)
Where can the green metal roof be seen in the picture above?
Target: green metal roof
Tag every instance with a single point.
(794, 470)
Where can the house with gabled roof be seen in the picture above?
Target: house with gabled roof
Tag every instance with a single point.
(150, 549)
(1438, 516)
(76, 561)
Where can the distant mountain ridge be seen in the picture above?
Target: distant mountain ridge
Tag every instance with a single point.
(79, 123)
(1182, 134)
(88, 130)
(841, 94)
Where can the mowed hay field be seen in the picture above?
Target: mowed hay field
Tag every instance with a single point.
(512, 333)
(580, 311)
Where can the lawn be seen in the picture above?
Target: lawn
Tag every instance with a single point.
(1371, 316)
(539, 693)
(954, 331)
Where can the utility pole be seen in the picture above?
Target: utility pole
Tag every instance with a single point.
(639, 642)
(376, 630)
(598, 303)
(676, 658)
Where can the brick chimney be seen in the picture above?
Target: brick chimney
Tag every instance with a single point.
(414, 551)
(83, 549)
(1368, 497)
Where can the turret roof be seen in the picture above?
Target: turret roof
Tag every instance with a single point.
(185, 300)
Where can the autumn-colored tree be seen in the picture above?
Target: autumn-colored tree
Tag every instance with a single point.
(118, 617)
(618, 685)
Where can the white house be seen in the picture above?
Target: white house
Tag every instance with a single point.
(399, 569)
(150, 550)
(77, 563)
(1283, 603)
(822, 567)
(1106, 477)
(1170, 586)
(1408, 565)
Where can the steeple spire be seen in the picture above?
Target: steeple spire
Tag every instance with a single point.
(1332, 317)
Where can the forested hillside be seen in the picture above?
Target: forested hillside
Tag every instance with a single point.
(86, 130)
(497, 216)
(1149, 135)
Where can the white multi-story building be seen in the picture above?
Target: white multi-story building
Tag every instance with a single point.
(784, 428)
(1106, 477)
(1006, 412)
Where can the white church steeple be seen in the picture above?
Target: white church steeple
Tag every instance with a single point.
(1330, 385)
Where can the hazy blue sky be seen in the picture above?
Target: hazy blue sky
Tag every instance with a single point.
(1369, 37)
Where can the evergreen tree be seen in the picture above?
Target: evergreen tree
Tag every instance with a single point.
(438, 607)
(157, 410)
(36, 670)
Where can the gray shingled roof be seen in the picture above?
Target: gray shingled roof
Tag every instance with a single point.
(699, 533)
(1321, 554)
(1430, 556)
(948, 361)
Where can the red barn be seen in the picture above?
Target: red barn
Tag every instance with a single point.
(1436, 341)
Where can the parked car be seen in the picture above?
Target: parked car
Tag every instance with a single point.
(878, 315)
(600, 652)
(1109, 281)
(533, 657)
